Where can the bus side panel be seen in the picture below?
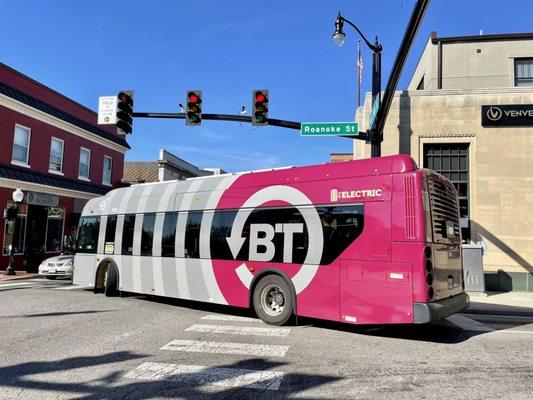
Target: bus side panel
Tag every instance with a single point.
(84, 269)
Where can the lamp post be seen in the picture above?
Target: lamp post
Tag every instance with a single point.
(12, 213)
(339, 37)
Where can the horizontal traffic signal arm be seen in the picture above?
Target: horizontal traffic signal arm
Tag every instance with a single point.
(237, 118)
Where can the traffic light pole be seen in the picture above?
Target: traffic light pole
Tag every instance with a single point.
(237, 118)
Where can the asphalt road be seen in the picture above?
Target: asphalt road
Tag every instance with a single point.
(61, 342)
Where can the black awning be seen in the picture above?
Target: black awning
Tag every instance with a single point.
(41, 178)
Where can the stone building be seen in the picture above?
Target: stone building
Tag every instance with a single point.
(468, 114)
(168, 167)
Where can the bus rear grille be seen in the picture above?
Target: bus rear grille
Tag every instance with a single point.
(410, 217)
(444, 210)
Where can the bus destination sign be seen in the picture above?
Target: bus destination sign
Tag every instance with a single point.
(329, 129)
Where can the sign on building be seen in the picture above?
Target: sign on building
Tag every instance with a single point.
(107, 110)
(41, 199)
(507, 115)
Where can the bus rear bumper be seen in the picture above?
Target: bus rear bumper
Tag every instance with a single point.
(427, 312)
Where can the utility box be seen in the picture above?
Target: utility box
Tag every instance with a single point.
(473, 268)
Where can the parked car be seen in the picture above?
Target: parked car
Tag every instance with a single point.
(60, 265)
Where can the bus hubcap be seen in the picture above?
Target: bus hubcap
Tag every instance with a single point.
(273, 300)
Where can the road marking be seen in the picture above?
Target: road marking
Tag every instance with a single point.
(200, 346)
(231, 318)
(503, 316)
(468, 324)
(73, 287)
(5, 285)
(196, 375)
(239, 330)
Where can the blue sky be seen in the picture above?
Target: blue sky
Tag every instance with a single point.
(228, 48)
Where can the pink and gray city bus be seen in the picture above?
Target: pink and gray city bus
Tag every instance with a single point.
(373, 241)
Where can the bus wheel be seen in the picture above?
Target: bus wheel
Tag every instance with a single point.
(273, 300)
(110, 282)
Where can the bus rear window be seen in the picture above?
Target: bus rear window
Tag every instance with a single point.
(88, 235)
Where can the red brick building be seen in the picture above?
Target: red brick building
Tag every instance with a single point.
(53, 150)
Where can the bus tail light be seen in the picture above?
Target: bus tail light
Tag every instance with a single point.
(429, 271)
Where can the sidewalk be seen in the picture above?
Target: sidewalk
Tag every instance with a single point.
(19, 275)
(515, 299)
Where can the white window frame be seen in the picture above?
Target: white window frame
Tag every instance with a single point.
(16, 162)
(60, 172)
(88, 177)
(110, 171)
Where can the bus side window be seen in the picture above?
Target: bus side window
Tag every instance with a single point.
(110, 229)
(147, 235)
(341, 225)
(220, 230)
(169, 235)
(127, 234)
(192, 234)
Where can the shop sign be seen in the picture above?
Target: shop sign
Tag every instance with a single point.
(507, 115)
(41, 199)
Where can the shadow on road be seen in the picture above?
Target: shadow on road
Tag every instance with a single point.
(26, 376)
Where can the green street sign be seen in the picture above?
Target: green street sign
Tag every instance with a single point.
(373, 112)
(329, 129)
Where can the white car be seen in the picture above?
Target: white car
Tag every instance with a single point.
(60, 265)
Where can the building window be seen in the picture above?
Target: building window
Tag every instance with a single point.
(85, 163)
(54, 229)
(523, 68)
(56, 155)
(451, 161)
(106, 177)
(15, 232)
(21, 145)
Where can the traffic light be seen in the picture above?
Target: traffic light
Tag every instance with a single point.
(193, 111)
(260, 108)
(125, 111)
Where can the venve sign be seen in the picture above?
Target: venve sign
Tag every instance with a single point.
(507, 115)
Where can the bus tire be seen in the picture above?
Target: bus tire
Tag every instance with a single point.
(273, 300)
(110, 282)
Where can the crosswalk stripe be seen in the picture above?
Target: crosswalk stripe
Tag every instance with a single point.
(73, 287)
(239, 330)
(200, 346)
(5, 285)
(468, 324)
(200, 375)
(230, 318)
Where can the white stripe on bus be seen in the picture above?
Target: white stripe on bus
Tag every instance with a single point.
(246, 349)
(195, 376)
(239, 330)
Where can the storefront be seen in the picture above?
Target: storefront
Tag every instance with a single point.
(468, 114)
(54, 151)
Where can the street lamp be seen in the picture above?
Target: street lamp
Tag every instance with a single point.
(11, 214)
(339, 37)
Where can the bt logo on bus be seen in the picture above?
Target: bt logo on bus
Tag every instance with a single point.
(262, 235)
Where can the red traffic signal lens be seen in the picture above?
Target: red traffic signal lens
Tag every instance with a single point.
(193, 98)
(260, 97)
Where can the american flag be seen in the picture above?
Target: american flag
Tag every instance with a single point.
(360, 67)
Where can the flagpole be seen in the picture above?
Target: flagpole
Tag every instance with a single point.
(358, 73)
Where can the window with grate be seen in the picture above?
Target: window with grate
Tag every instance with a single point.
(523, 68)
(451, 161)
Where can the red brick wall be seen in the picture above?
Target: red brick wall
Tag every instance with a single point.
(40, 139)
(27, 85)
